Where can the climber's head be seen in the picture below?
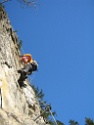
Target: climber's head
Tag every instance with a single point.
(26, 58)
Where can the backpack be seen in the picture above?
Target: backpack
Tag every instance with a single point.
(34, 65)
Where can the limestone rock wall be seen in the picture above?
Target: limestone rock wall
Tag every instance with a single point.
(18, 106)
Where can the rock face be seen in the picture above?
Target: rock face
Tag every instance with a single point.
(18, 106)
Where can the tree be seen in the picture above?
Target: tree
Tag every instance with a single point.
(28, 2)
(44, 113)
(24, 2)
(59, 122)
(72, 122)
(19, 44)
(88, 121)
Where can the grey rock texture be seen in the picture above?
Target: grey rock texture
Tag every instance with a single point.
(18, 106)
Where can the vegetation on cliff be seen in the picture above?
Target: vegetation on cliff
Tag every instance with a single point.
(40, 95)
(28, 3)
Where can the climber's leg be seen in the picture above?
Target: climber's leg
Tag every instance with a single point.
(22, 79)
(27, 70)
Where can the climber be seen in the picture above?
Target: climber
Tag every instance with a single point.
(30, 65)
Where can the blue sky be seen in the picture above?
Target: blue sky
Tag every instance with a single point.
(60, 36)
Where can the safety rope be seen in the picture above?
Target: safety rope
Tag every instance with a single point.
(53, 117)
(47, 108)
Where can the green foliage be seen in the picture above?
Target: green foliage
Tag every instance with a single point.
(1, 7)
(89, 121)
(19, 44)
(46, 114)
(51, 122)
(3, 1)
(40, 96)
(59, 122)
(72, 122)
(39, 93)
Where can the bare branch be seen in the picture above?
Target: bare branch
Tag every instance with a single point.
(28, 2)
(24, 2)
(4, 1)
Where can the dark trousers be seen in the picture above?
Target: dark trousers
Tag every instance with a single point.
(27, 70)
